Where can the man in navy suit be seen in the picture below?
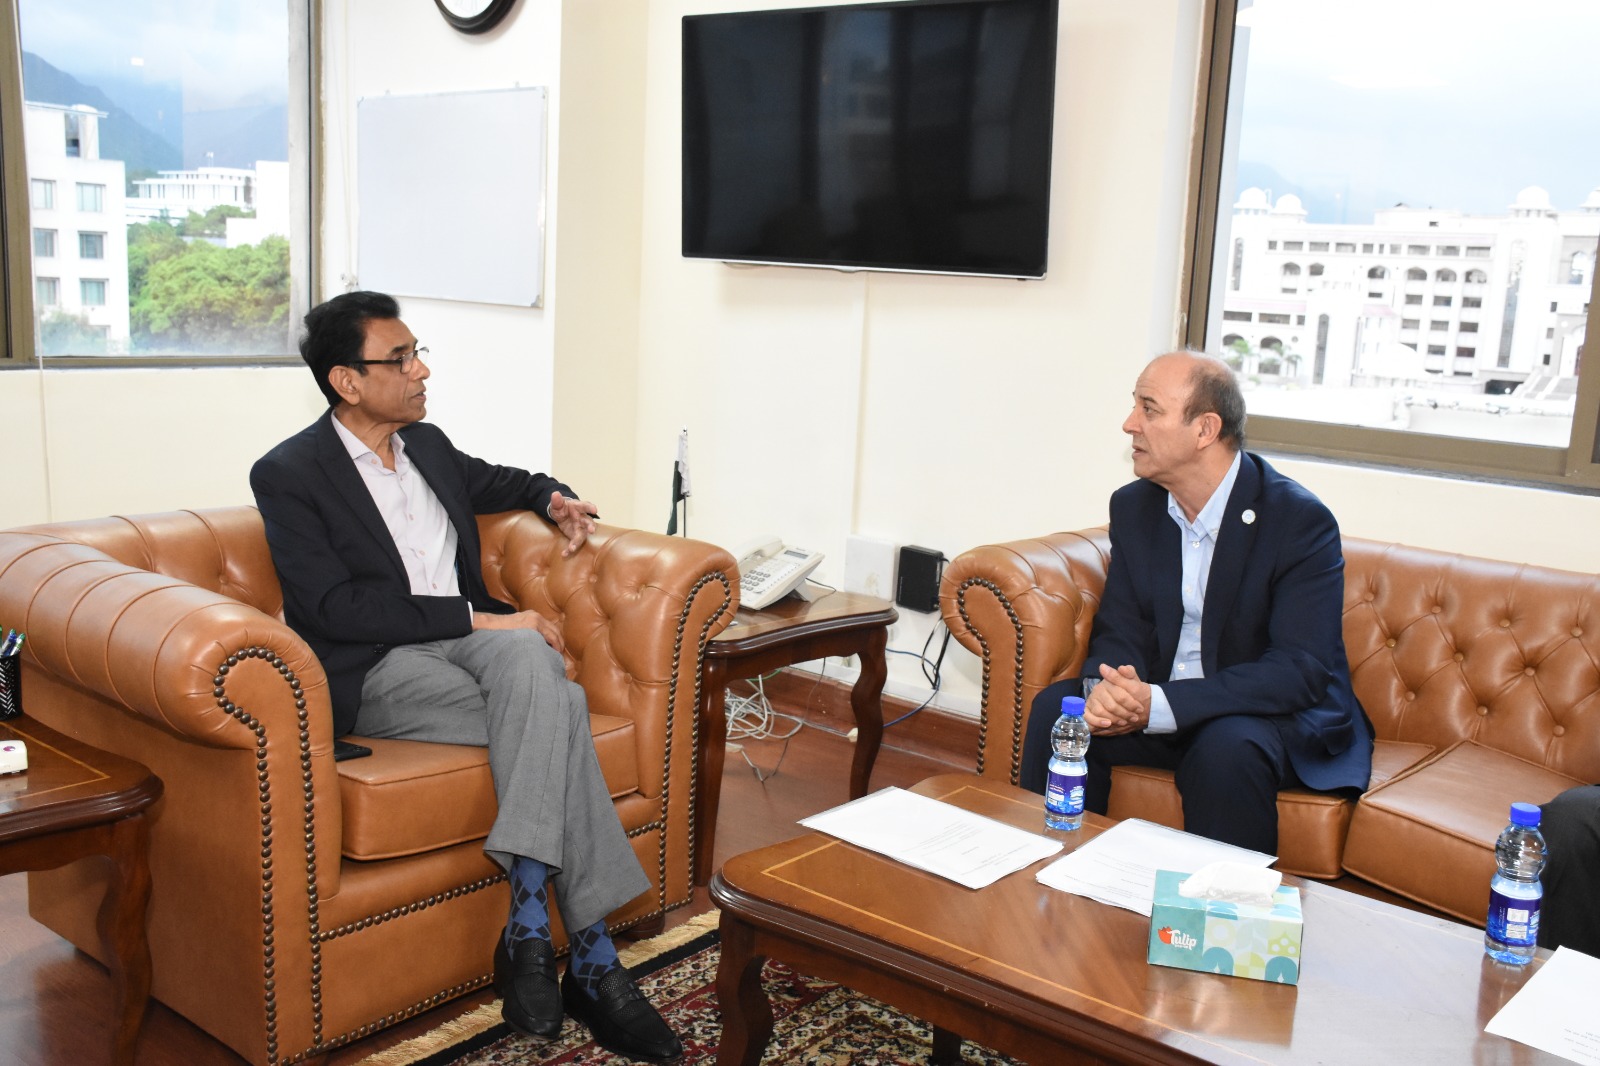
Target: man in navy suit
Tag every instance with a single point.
(1217, 650)
(369, 515)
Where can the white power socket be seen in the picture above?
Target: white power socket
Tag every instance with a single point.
(869, 566)
(852, 735)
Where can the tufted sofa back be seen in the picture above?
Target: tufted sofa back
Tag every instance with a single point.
(1445, 648)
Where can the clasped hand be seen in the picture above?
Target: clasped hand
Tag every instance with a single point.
(1120, 703)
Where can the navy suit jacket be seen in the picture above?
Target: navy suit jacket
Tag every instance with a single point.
(1271, 629)
(345, 590)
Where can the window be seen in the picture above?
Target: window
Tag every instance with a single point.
(1294, 246)
(1291, 269)
(1466, 353)
(1318, 246)
(44, 243)
(1378, 272)
(1342, 246)
(1272, 246)
(1315, 270)
(47, 291)
(1299, 320)
(1275, 320)
(1308, 94)
(1237, 316)
(184, 183)
(1435, 349)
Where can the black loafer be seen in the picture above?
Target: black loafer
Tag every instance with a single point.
(621, 1019)
(525, 977)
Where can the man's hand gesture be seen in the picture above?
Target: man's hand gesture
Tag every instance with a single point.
(575, 519)
(1120, 703)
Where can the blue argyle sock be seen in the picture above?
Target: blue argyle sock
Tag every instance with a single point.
(593, 956)
(530, 901)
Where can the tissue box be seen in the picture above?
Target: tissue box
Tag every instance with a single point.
(1242, 939)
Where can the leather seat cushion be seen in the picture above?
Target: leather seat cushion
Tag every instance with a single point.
(410, 796)
(1311, 825)
(1429, 833)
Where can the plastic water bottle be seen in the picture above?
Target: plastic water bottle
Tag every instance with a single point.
(1512, 932)
(1063, 792)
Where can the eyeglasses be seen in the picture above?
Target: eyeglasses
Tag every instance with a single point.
(406, 362)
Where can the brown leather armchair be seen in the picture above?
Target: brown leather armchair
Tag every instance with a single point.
(1479, 676)
(299, 904)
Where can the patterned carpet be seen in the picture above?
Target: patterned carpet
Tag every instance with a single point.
(815, 1022)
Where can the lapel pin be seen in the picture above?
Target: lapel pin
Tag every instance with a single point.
(1249, 518)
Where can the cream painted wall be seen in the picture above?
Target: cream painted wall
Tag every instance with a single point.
(938, 411)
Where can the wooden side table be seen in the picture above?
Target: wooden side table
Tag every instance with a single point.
(75, 801)
(788, 632)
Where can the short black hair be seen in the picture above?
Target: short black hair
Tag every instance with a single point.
(1214, 389)
(336, 332)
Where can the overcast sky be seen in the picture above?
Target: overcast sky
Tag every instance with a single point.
(224, 52)
(1442, 104)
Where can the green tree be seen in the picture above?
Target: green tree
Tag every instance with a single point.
(149, 243)
(211, 299)
(214, 223)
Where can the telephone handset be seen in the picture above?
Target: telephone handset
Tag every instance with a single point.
(769, 570)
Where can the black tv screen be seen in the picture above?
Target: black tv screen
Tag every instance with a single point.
(890, 136)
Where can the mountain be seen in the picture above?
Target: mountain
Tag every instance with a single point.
(121, 135)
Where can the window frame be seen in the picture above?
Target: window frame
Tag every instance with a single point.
(18, 336)
(1575, 468)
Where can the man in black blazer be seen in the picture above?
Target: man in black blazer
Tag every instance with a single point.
(1217, 649)
(369, 515)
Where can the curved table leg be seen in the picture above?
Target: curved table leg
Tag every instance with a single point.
(746, 1014)
(713, 744)
(122, 932)
(866, 700)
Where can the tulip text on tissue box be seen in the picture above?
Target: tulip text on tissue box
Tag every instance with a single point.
(1258, 940)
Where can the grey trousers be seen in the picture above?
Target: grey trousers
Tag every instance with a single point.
(508, 691)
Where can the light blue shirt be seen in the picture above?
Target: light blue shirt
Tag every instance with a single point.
(1199, 545)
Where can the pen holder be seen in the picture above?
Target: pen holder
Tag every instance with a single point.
(11, 687)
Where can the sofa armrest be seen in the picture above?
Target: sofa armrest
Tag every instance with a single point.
(635, 609)
(158, 646)
(1025, 609)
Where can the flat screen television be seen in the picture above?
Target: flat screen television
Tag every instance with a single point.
(910, 136)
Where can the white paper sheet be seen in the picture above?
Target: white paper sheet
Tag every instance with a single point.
(1119, 866)
(942, 839)
(1555, 1010)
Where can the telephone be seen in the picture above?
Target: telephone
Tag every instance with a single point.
(769, 570)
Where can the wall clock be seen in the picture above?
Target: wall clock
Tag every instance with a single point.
(474, 16)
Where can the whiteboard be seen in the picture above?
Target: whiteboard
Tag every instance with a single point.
(450, 195)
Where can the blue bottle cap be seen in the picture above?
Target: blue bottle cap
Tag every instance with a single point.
(1524, 814)
(1072, 705)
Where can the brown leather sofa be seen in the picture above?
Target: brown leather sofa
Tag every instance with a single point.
(298, 904)
(1482, 680)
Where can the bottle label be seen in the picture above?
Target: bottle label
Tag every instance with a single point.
(1063, 792)
(1512, 920)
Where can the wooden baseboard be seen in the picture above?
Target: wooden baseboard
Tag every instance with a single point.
(824, 703)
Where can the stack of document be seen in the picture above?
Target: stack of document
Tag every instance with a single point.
(1119, 866)
(958, 845)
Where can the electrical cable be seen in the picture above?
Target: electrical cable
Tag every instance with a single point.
(936, 665)
(751, 717)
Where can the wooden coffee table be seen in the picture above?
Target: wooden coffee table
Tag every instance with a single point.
(788, 632)
(1053, 978)
(75, 801)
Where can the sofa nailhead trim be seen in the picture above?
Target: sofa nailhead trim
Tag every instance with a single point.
(1016, 680)
(410, 908)
(264, 793)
